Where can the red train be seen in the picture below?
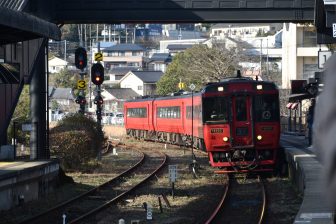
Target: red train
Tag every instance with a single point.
(237, 122)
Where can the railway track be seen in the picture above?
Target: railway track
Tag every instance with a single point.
(86, 205)
(240, 204)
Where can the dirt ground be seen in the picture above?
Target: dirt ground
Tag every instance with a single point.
(193, 200)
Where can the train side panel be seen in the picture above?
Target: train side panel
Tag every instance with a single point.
(139, 115)
(168, 116)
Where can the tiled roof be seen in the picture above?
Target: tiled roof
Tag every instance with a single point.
(162, 57)
(124, 47)
(62, 93)
(121, 70)
(184, 35)
(179, 46)
(122, 93)
(148, 76)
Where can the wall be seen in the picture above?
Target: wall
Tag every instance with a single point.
(132, 81)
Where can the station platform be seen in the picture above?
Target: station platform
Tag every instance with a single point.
(22, 181)
(305, 171)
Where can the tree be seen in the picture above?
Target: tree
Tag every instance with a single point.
(64, 79)
(21, 115)
(200, 65)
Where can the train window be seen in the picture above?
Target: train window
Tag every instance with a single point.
(241, 109)
(216, 110)
(266, 108)
(168, 112)
(197, 112)
(137, 112)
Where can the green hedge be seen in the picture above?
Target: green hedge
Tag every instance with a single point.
(76, 141)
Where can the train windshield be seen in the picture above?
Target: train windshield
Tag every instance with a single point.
(216, 110)
(266, 108)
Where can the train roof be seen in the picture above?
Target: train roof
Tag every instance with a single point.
(241, 80)
(177, 95)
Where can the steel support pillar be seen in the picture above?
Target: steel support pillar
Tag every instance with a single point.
(38, 103)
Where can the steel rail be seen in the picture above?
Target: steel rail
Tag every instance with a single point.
(263, 208)
(59, 206)
(220, 204)
(115, 199)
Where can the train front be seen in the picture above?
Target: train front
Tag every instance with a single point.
(241, 125)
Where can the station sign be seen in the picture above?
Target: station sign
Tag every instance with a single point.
(172, 173)
(323, 57)
(27, 127)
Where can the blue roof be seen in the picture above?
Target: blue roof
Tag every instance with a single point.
(124, 47)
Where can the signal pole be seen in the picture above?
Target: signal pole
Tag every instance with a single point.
(194, 164)
(97, 77)
(81, 63)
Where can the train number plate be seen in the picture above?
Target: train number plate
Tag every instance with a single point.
(267, 128)
(216, 130)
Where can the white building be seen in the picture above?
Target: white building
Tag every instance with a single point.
(142, 82)
(176, 43)
(56, 64)
(241, 30)
(300, 53)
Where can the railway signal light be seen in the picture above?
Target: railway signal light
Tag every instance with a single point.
(99, 114)
(80, 100)
(98, 100)
(80, 58)
(97, 74)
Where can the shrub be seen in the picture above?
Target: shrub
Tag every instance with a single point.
(76, 141)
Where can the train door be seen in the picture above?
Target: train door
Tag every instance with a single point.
(241, 131)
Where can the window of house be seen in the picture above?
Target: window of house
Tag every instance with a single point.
(139, 87)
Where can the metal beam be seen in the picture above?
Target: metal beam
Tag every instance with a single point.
(171, 11)
(18, 26)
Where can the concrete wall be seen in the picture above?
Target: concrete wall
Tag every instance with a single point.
(28, 184)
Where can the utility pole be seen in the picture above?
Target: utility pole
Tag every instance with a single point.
(260, 57)
(65, 49)
(97, 34)
(267, 59)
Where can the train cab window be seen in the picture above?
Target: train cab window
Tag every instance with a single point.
(216, 110)
(241, 109)
(266, 108)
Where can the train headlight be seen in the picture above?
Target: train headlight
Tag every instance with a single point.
(225, 139)
(220, 88)
(259, 137)
(259, 87)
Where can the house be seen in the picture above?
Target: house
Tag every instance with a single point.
(173, 45)
(114, 75)
(114, 99)
(240, 30)
(118, 97)
(102, 46)
(61, 102)
(142, 82)
(56, 64)
(121, 55)
(159, 61)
